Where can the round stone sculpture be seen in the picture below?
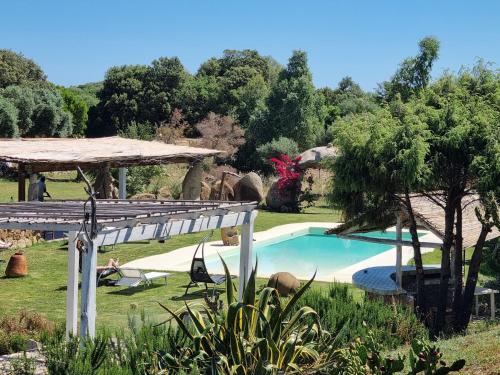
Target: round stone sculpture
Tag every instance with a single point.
(284, 282)
(17, 266)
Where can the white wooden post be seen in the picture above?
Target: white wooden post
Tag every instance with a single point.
(399, 252)
(72, 288)
(246, 247)
(122, 183)
(33, 187)
(89, 279)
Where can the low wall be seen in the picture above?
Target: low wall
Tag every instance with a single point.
(20, 238)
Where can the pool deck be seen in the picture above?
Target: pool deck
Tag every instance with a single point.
(179, 259)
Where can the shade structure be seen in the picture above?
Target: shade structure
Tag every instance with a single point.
(57, 154)
(121, 221)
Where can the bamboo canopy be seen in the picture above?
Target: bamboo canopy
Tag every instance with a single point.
(430, 214)
(58, 154)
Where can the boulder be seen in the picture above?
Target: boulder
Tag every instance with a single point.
(249, 188)
(164, 192)
(313, 157)
(285, 283)
(191, 185)
(277, 201)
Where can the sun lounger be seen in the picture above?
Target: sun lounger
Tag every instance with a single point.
(133, 277)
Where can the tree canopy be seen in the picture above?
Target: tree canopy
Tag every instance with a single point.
(15, 69)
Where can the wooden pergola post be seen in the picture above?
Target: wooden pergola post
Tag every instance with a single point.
(21, 183)
(399, 251)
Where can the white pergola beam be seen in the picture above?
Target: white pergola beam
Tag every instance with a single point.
(89, 281)
(432, 245)
(170, 228)
(122, 183)
(72, 289)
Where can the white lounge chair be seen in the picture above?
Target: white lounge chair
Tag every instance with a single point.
(131, 277)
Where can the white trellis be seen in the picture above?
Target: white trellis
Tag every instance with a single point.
(121, 221)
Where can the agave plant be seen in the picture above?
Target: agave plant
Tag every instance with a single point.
(259, 335)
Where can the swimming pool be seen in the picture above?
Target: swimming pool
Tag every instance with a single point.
(303, 253)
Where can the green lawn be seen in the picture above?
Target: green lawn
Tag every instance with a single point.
(57, 189)
(44, 289)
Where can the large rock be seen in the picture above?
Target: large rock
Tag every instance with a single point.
(191, 185)
(275, 200)
(313, 157)
(249, 188)
(285, 283)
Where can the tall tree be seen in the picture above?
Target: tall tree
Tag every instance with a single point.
(414, 73)
(15, 69)
(292, 107)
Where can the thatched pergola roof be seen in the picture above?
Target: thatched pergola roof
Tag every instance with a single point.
(431, 215)
(51, 154)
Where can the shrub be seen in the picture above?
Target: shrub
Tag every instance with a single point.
(347, 319)
(275, 148)
(15, 330)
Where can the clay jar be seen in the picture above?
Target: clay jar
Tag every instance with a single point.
(17, 266)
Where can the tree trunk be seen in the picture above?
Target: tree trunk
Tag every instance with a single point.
(470, 286)
(444, 279)
(419, 267)
(458, 277)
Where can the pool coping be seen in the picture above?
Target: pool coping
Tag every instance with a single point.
(179, 259)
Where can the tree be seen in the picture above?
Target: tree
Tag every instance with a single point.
(221, 133)
(8, 119)
(41, 110)
(433, 145)
(414, 73)
(292, 107)
(274, 149)
(15, 69)
(78, 108)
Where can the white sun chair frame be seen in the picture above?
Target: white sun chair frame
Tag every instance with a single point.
(132, 277)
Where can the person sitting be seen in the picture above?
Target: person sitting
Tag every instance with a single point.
(42, 189)
(5, 245)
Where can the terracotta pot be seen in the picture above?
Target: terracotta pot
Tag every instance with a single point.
(17, 266)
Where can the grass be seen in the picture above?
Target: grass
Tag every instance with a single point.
(44, 290)
(480, 348)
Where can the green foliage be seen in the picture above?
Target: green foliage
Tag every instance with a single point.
(15, 69)
(258, 335)
(8, 119)
(41, 110)
(426, 358)
(78, 108)
(348, 319)
(292, 107)
(414, 73)
(275, 148)
(139, 178)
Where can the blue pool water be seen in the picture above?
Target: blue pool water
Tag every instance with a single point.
(301, 255)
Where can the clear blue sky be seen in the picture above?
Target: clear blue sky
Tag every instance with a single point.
(76, 42)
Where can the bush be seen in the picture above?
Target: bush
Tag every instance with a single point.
(275, 148)
(15, 330)
(341, 315)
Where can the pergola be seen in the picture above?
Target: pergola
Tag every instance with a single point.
(35, 155)
(120, 221)
(429, 214)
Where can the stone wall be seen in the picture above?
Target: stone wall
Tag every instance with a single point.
(20, 238)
